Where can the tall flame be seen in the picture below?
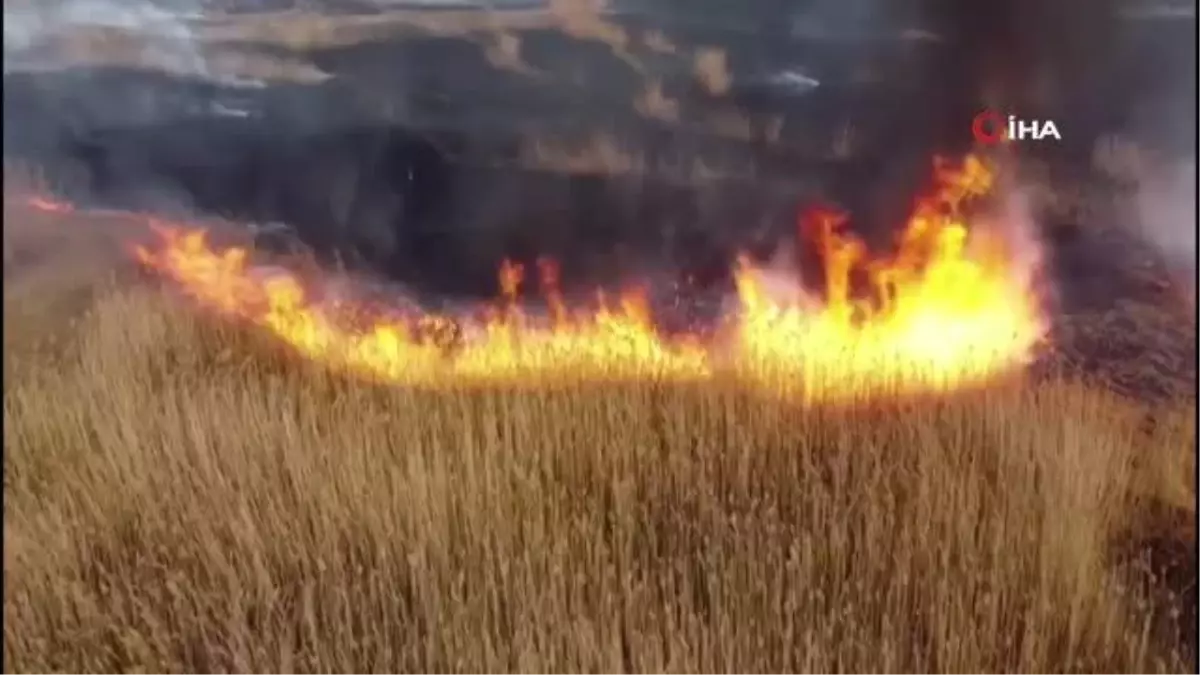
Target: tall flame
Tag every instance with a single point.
(939, 316)
(948, 309)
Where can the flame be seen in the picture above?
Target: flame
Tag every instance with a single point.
(508, 346)
(938, 317)
(947, 310)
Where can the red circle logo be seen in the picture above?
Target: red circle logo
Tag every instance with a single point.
(988, 127)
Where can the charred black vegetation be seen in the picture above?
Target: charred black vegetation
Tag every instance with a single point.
(410, 160)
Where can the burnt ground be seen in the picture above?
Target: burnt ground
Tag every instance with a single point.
(1124, 316)
(412, 160)
(438, 204)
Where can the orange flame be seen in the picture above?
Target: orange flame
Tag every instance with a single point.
(941, 318)
(941, 314)
(511, 346)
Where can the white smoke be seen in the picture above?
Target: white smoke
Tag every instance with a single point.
(780, 280)
(1012, 216)
(37, 34)
(1165, 204)
(1161, 210)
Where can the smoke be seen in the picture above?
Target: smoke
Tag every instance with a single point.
(1166, 199)
(37, 33)
(1011, 222)
(1122, 71)
(1155, 154)
(780, 280)
(1165, 204)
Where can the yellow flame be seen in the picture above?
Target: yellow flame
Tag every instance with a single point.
(604, 344)
(940, 318)
(937, 316)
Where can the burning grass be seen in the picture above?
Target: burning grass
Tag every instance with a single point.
(191, 490)
(183, 495)
(953, 307)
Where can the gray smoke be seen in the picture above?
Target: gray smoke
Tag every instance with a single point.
(1166, 210)
(54, 33)
(1160, 153)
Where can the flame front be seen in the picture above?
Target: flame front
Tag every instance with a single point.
(948, 310)
(939, 316)
(507, 346)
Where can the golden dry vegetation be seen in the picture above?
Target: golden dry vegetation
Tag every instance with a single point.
(183, 496)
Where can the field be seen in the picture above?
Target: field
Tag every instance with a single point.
(182, 495)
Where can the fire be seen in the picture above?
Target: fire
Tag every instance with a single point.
(948, 309)
(511, 346)
(939, 315)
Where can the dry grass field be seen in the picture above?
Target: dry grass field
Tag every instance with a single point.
(182, 496)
